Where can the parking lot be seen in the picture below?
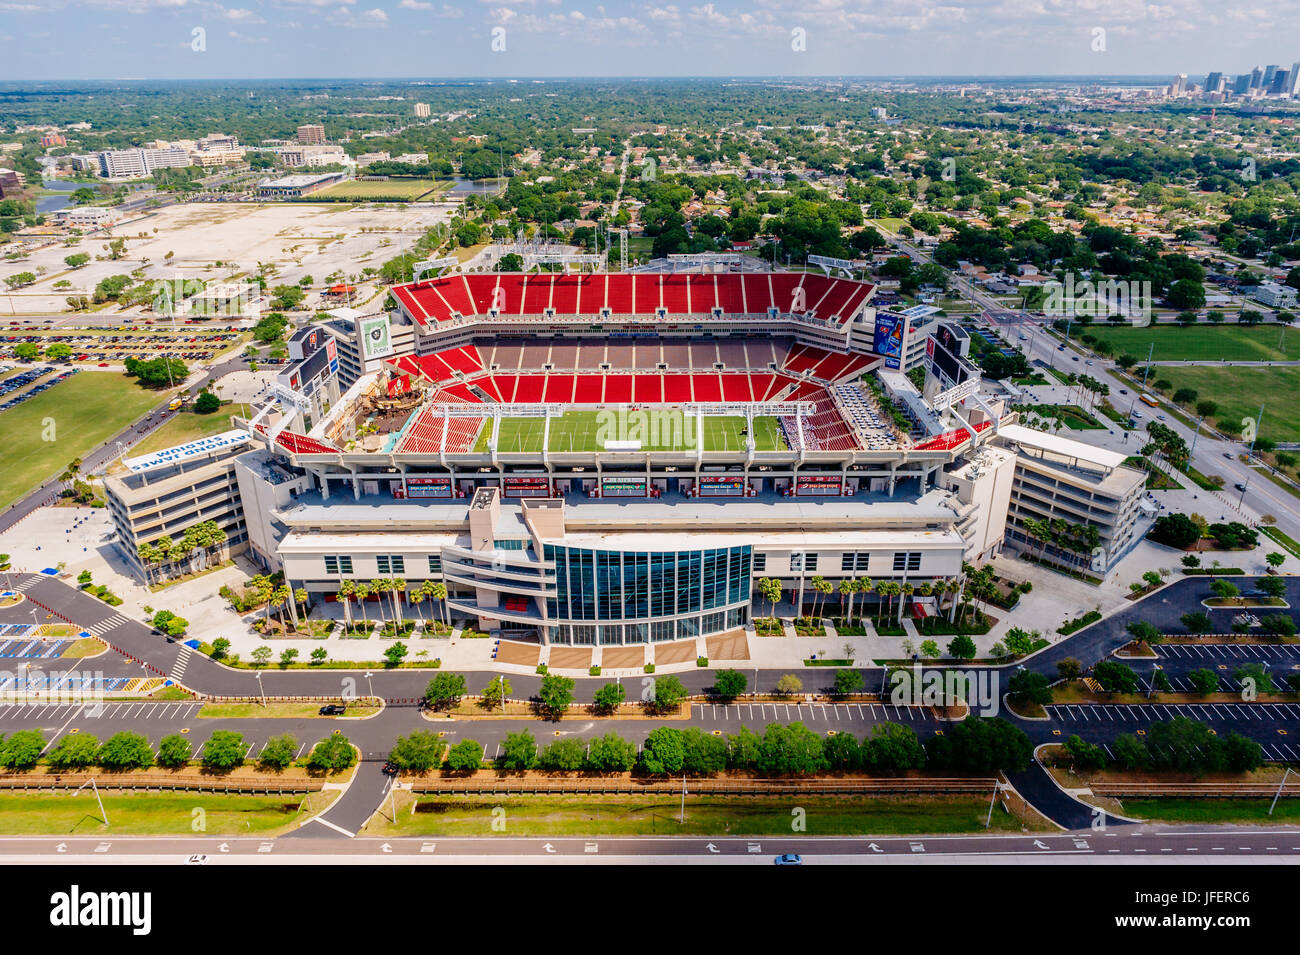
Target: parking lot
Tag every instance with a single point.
(104, 346)
(1235, 653)
(852, 713)
(1144, 714)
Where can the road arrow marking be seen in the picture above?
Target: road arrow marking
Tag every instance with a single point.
(1039, 845)
(712, 848)
(548, 847)
(875, 848)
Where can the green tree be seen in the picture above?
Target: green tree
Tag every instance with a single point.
(790, 750)
(74, 751)
(278, 752)
(847, 682)
(667, 694)
(608, 698)
(1069, 669)
(444, 690)
(789, 685)
(224, 751)
(419, 752)
(1084, 754)
(174, 751)
(962, 647)
(395, 653)
(555, 694)
(663, 752)
(335, 752)
(1204, 681)
(729, 684)
(980, 745)
(125, 750)
(564, 755)
(21, 750)
(842, 752)
(1115, 677)
(892, 747)
(1026, 686)
(498, 689)
(465, 756)
(519, 751)
(611, 754)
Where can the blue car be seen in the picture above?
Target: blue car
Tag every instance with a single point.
(788, 858)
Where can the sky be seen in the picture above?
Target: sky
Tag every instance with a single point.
(202, 39)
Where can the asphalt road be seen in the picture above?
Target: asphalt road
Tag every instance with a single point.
(1136, 843)
(1272, 725)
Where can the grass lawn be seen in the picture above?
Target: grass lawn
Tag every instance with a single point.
(1214, 810)
(1202, 342)
(183, 428)
(579, 430)
(274, 710)
(1288, 543)
(148, 814)
(705, 815)
(1239, 393)
(389, 190)
(85, 410)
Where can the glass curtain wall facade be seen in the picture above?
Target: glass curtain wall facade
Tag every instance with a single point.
(615, 597)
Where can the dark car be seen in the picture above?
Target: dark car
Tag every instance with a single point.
(391, 768)
(1239, 486)
(333, 709)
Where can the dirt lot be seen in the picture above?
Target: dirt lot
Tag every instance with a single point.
(300, 238)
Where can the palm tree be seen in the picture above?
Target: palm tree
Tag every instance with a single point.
(147, 554)
(438, 591)
(890, 589)
(300, 595)
(379, 587)
(362, 591)
(415, 598)
(953, 585)
(346, 589)
(864, 586)
(846, 587)
(817, 582)
(906, 589)
(280, 596)
(397, 586)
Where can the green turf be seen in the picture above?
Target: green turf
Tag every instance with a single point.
(364, 190)
(1240, 391)
(665, 430)
(76, 416)
(1203, 342)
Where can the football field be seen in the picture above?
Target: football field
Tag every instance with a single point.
(661, 429)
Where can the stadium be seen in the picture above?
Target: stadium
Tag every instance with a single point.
(598, 460)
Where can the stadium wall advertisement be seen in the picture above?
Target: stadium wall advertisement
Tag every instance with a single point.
(428, 487)
(539, 486)
(623, 487)
(722, 486)
(818, 485)
(376, 341)
(889, 337)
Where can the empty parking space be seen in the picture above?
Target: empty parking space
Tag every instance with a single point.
(1237, 652)
(1162, 712)
(843, 715)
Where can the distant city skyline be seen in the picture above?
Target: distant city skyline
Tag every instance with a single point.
(272, 39)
